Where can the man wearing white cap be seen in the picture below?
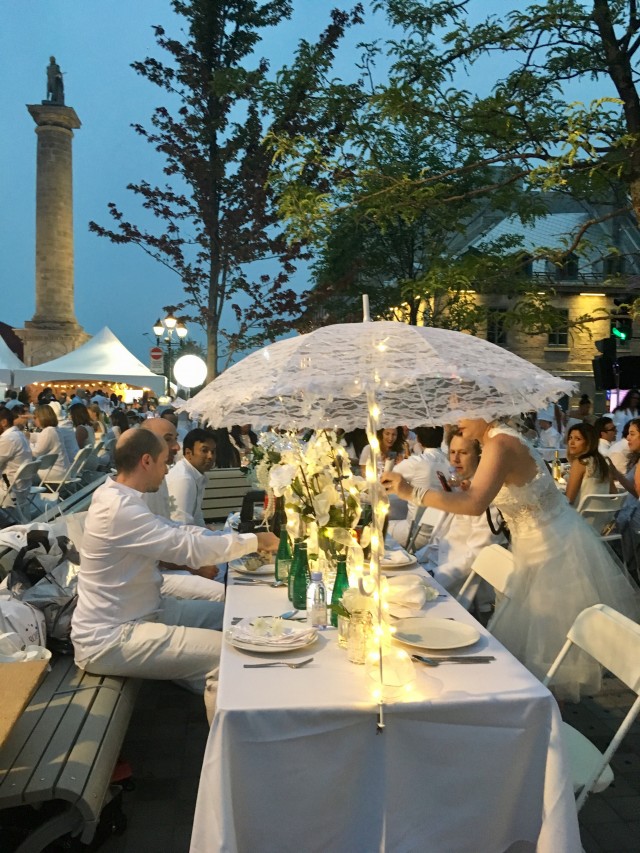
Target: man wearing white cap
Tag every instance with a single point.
(547, 433)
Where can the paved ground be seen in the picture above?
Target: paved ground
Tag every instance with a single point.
(167, 736)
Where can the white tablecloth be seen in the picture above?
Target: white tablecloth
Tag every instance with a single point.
(470, 760)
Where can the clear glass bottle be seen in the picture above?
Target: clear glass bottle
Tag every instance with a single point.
(360, 625)
(340, 584)
(317, 602)
(301, 578)
(283, 556)
(556, 468)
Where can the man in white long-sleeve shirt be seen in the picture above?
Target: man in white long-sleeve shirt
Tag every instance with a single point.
(458, 539)
(14, 452)
(179, 581)
(121, 624)
(187, 479)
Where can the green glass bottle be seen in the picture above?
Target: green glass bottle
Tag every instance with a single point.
(294, 560)
(301, 578)
(341, 583)
(283, 556)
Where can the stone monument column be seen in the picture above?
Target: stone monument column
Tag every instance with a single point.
(53, 330)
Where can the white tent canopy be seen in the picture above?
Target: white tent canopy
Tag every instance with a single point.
(9, 362)
(102, 359)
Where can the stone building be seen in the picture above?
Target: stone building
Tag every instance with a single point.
(605, 268)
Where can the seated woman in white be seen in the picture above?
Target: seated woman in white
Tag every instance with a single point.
(589, 473)
(49, 441)
(81, 421)
(391, 448)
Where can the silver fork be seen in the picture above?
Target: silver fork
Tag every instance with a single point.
(453, 659)
(296, 665)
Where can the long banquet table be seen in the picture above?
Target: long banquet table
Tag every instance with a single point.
(470, 760)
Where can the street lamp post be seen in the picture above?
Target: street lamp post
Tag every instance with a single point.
(164, 330)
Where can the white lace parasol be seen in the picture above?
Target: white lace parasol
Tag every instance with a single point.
(418, 375)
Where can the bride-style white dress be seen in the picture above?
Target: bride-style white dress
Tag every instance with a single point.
(561, 567)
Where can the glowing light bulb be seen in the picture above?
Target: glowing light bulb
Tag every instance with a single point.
(375, 444)
(374, 411)
(375, 541)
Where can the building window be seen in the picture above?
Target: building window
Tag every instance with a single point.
(568, 269)
(526, 265)
(496, 331)
(614, 264)
(559, 337)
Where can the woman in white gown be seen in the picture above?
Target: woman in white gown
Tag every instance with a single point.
(561, 565)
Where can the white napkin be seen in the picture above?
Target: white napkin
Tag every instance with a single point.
(395, 557)
(270, 631)
(12, 650)
(410, 591)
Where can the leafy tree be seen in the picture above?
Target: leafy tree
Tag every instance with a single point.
(218, 225)
(494, 151)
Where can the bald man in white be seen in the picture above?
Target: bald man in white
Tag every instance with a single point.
(122, 625)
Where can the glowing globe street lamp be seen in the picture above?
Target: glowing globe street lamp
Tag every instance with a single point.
(164, 329)
(190, 371)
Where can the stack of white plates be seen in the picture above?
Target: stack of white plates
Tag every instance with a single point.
(270, 634)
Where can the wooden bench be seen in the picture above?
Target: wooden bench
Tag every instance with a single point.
(223, 492)
(65, 747)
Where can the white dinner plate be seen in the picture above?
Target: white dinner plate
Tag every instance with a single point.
(265, 569)
(426, 633)
(409, 563)
(271, 624)
(309, 640)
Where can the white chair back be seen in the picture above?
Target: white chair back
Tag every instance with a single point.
(21, 482)
(614, 641)
(599, 510)
(46, 463)
(426, 516)
(71, 474)
(493, 564)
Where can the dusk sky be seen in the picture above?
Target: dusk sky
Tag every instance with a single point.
(94, 43)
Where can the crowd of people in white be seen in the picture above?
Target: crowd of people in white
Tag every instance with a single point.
(149, 585)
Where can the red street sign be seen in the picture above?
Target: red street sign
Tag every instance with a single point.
(155, 353)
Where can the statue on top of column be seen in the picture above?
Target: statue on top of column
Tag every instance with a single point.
(55, 83)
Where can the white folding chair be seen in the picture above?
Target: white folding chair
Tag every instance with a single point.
(46, 463)
(600, 510)
(426, 516)
(70, 478)
(17, 494)
(614, 641)
(493, 564)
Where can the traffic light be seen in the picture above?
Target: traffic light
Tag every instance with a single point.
(621, 325)
(607, 346)
(604, 366)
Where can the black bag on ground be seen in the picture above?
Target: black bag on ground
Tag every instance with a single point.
(45, 575)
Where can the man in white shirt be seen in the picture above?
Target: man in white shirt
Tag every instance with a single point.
(619, 453)
(14, 452)
(458, 539)
(122, 625)
(420, 469)
(188, 477)
(549, 439)
(607, 432)
(179, 581)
